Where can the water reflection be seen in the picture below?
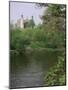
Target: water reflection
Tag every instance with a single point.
(18, 62)
(27, 69)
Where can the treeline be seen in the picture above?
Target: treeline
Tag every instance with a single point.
(36, 38)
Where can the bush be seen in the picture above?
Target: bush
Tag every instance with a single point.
(57, 74)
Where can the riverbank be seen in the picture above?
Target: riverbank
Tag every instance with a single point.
(30, 50)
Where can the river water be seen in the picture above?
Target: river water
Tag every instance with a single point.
(29, 68)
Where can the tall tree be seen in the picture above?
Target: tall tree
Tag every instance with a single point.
(54, 17)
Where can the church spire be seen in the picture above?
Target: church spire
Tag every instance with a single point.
(21, 15)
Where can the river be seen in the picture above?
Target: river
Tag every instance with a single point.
(29, 68)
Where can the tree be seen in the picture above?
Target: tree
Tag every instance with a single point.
(30, 23)
(54, 17)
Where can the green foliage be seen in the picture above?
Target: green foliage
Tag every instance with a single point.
(56, 75)
(57, 10)
(18, 40)
(54, 17)
(36, 38)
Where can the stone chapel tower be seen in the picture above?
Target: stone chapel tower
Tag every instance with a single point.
(22, 22)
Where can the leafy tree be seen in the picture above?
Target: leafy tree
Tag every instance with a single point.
(54, 17)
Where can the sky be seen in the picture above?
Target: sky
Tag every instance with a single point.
(27, 9)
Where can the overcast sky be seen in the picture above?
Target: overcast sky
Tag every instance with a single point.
(27, 9)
